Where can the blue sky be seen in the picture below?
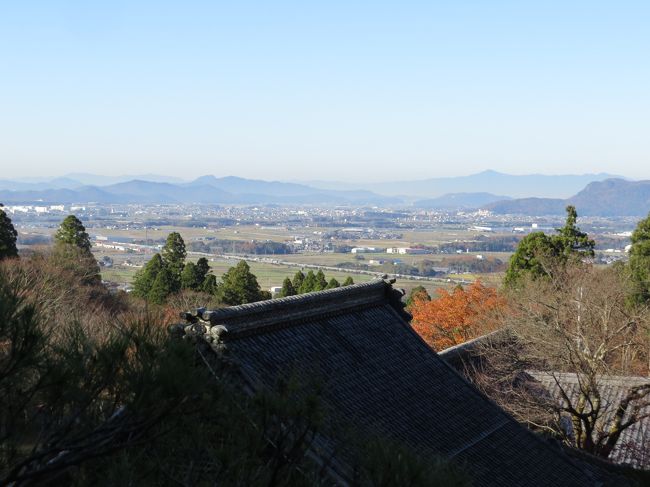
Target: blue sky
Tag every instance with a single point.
(338, 90)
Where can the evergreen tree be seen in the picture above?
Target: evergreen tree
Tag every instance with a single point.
(639, 262)
(529, 257)
(191, 277)
(239, 286)
(72, 232)
(72, 251)
(8, 236)
(298, 279)
(162, 286)
(203, 268)
(537, 250)
(287, 288)
(209, 284)
(145, 277)
(333, 284)
(571, 240)
(321, 282)
(348, 281)
(309, 284)
(173, 256)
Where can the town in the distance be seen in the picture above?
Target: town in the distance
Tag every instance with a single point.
(430, 238)
(282, 333)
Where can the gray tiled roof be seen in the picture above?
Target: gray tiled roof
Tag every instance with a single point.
(381, 379)
(633, 448)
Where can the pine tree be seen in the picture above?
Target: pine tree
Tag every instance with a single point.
(309, 284)
(72, 232)
(348, 281)
(8, 236)
(333, 284)
(321, 282)
(287, 288)
(145, 277)
(239, 286)
(298, 279)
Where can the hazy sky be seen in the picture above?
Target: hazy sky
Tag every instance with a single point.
(341, 90)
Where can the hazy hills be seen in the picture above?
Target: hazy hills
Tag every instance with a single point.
(204, 190)
(612, 197)
(609, 197)
(460, 200)
(516, 186)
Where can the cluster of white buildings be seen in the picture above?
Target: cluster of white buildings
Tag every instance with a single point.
(406, 251)
(13, 209)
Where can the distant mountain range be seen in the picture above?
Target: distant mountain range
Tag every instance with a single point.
(204, 190)
(609, 197)
(516, 186)
(612, 197)
(460, 200)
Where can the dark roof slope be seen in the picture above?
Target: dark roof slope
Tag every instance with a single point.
(381, 379)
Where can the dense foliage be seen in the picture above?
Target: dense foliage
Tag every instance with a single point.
(537, 251)
(8, 235)
(96, 392)
(72, 232)
(454, 317)
(640, 262)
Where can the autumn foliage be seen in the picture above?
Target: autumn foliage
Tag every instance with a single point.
(457, 316)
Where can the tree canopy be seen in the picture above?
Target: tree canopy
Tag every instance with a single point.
(8, 236)
(639, 262)
(537, 251)
(239, 286)
(72, 232)
(287, 288)
(455, 317)
(173, 253)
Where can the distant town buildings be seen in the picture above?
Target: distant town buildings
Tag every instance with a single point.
(407, 250)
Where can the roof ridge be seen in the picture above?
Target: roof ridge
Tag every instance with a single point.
(291, 309)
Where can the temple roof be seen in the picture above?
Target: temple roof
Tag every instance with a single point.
(380, 379)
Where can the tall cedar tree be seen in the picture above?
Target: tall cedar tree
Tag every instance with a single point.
(72, 250)
(639, 262)
(203, 268)
(8, 236)
(162, 286)
(191, 277)
(298, 279)
(455, 317)
(173, 255)
(72, 232)
(321, 282)
(309, 284)
(239, 286)
(145, 277)
(287, 288)
(210, 284)
(537, 251)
